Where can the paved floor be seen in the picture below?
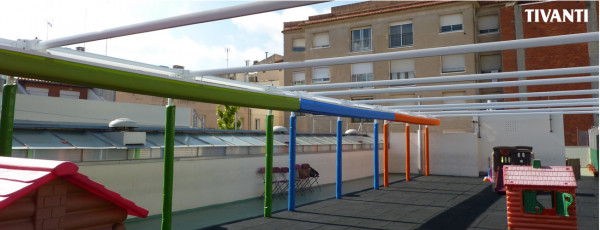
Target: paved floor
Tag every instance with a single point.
(434, 202)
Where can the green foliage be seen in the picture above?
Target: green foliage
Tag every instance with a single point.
(226, 115)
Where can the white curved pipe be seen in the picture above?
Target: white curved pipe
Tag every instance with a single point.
(509, 103)
(177, 21)
(460, 86)
(453, 78)
(438, 51)
(541, 105)
(480, 97)
(517, 114)
(510, 111)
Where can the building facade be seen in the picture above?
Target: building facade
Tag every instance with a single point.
(380, 27)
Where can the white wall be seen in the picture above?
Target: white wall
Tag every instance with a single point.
(449, 154)
(528, 130)
(54, 109)
(202, 182)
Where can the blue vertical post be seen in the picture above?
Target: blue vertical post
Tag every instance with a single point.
(292, 173)
(376, 155)
(338, 165)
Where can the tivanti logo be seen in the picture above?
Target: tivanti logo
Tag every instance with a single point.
(554, 15)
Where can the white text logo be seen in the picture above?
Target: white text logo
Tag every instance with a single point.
(554, 15)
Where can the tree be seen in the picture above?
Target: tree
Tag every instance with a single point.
(226, 115)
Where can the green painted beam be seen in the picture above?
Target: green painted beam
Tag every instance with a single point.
(169, 158)
(22, 64)
(7, 118)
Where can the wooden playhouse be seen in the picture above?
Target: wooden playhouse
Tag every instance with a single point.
(44, 194)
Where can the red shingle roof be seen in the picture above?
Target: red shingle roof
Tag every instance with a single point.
(19, 177)
(547, 176)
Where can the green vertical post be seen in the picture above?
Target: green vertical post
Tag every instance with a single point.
(9, 93)
(269, 166)
(168, 171)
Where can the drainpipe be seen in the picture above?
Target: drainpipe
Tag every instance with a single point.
(7, 119)
(292, 174)
(168, 168)
(269, 166)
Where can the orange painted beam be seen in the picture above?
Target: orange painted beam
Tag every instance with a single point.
(426, 151)
(386, 142)
(407, 130)
(416, 120)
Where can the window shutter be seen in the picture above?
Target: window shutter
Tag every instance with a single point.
(453, 63)
(491, 62)
(299, 42)
(488, 22)
(321, 40)
(299, 76)
(321, 74)
(451, 19)
(362, 68)
(405, 65)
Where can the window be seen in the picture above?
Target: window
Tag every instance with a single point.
(361, 40)
(450, 23)
(299, 45)
(488, 24)
(490, 63)
(37, 91)
(362, 72)
(361, 120)
(257, 124)
(402, 69)
(320, 40)
(320, 75)
(401, 34)
(299, 78)
(453, 63)
(454, 94)
(69, 94)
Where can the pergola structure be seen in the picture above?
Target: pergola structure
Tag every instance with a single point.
(46, 60)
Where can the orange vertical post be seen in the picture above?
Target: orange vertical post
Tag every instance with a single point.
(386, 141)
(426, 150)
(407, 152)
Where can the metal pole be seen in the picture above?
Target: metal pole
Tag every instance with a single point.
(386, 143)
(407, 130)
(376, 155)
(338, 165)
(269, 166)
(426, 150)
(169, 153)
(292, 174)
(7, 119)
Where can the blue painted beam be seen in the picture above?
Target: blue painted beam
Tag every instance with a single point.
(321, 108)
(338, 165)
(376, 155)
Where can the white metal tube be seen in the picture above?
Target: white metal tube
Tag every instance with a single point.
(519, 114)
(177, 21)
(511, 111)
(460, 86)
(569, 104)
(479, 97)
(411, 107)
(454, 78)
(438, 51)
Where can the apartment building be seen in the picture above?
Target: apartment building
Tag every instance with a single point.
(379, 27)
(515, 25)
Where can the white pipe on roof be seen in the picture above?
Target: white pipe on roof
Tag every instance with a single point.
(512, 111)
(460, 86)
(454, 78)
(519, 114)
(177, 21)
(479, 97)
(479, 106)
(438, 51)
(417, 107)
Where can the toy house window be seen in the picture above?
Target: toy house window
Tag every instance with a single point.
(536, 201)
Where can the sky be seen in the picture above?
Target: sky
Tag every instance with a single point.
(196, 47)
